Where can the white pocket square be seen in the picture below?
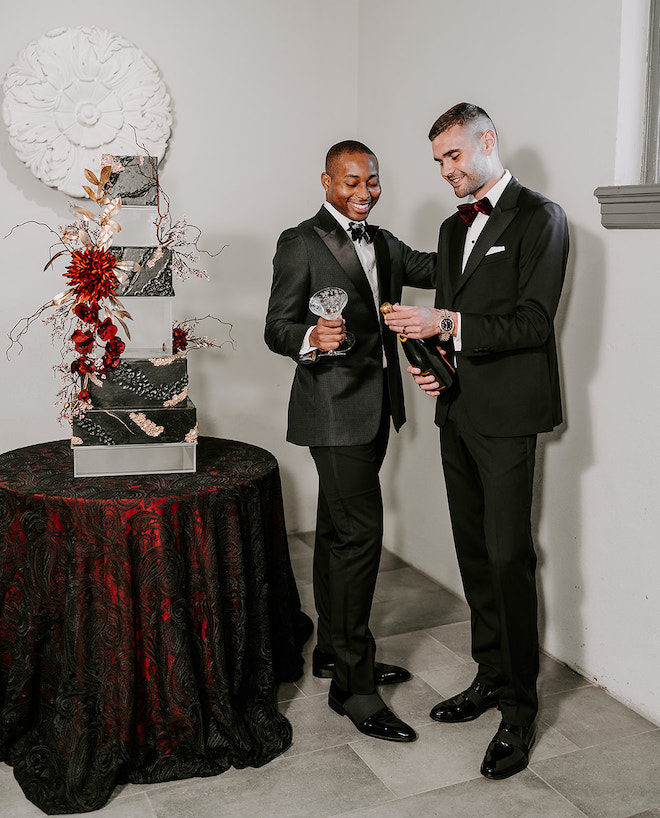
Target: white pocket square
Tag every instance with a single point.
(495, 249)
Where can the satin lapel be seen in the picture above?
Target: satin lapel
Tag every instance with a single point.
(503, 213)
(456, 246)
(342, 249)
(383, 268)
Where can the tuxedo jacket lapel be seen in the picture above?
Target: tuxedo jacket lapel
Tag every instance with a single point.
(342, 249)
(456, 247)
(383, 266)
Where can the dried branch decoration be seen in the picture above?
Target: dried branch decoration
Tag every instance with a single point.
(85, 318)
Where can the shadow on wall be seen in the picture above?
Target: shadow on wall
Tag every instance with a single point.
(23, 180)
(557, 516)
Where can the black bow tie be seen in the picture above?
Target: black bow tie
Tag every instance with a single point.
(468, 212)
(358, 231)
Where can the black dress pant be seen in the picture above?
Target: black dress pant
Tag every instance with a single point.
(347, 548)
(489, 487)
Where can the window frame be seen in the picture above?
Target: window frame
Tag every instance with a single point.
(637, 206)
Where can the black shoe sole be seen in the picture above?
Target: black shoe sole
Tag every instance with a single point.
(502, 776)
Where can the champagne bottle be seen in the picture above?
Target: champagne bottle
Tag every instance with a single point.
(424, 357)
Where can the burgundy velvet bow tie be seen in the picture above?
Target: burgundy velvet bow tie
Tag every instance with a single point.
(468, 212)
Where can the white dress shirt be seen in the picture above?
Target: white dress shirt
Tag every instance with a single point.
(473, 233)
(367, 256)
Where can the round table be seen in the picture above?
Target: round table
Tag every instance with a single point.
(144, 622)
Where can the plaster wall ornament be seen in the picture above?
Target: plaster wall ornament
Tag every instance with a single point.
(77, 93)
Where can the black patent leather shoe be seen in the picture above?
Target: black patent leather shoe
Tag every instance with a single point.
(323, 667)
(390, 674)
(468, 705)
(508, 752)
(382, 723)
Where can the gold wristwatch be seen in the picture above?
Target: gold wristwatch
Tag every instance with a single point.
(445, 325)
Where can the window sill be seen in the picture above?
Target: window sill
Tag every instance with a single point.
(629, 207)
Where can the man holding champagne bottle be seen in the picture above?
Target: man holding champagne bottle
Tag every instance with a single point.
(341, 406)
(501, 264)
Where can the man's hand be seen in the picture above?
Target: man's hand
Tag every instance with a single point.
(328, 334)
(413, 322)
(427, 383)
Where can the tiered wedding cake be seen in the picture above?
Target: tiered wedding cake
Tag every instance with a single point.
(140, 419)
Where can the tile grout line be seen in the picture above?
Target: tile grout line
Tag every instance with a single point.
(560, 794)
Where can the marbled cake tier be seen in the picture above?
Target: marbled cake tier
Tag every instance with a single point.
(112, 427)
(142, 384)
(133, 178)
(154, 276)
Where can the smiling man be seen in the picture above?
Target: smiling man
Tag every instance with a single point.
(341, 407)
(501, 264)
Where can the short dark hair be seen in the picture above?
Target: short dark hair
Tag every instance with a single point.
(465, 113)
(347, 146)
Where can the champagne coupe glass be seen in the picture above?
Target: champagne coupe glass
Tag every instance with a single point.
(329, 303)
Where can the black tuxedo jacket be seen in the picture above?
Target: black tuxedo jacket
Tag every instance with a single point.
(338, 401)
(507, 297)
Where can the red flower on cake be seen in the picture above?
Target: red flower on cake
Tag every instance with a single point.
(81, 366)
(106, 330)
(179, 339)
(115, 347)
(84, 341)
(110, 362)
(113, 350)
(89, 313)
(91, 274)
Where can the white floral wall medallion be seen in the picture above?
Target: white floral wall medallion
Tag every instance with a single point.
(77, 93)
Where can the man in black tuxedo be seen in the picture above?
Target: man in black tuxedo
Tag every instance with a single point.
(340, 406)
(501, 265)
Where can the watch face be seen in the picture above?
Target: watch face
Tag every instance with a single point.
(447, 324)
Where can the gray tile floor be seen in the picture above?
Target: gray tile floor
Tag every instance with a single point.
(594, 757)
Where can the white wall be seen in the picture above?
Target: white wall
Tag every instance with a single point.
(260, 90)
